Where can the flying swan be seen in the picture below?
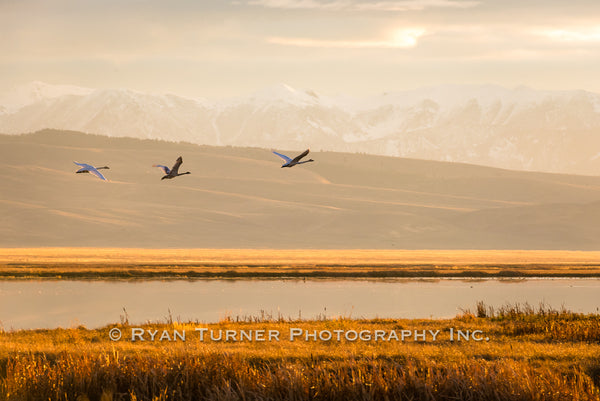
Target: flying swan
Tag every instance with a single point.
(87, 168)
(296, 160)
(173, 172)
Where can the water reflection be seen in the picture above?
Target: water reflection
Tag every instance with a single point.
(49, 304)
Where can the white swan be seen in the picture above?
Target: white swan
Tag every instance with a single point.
(87, 168)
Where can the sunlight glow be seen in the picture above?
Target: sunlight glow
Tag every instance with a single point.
(401, 38)
(407, 37)
(591, 34)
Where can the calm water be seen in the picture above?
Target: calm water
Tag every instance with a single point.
(49, 304)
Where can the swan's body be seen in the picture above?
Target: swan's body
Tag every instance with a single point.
(174, 171)
(87, 168)
(289, 162)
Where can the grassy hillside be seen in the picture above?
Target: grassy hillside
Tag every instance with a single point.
(241, 198)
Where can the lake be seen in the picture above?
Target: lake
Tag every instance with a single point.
(69, 303)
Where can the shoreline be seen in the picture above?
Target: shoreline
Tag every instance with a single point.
(198, 264)
(206, 273)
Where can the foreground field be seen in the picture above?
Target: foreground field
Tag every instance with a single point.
(514, 353)
(93, 263)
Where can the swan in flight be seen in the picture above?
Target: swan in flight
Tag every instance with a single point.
(296, 160)
(173, 172)
(86, 168)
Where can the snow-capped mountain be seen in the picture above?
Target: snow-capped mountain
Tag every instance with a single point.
(24, 95)
(521, 128)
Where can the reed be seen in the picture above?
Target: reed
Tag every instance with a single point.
(231, 377)
(550, 323)
(533, 354)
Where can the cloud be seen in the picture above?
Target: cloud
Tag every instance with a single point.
(402, 38)
(579, 35)
(356, 5)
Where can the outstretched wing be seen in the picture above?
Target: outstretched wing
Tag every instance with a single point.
(175, 168)
(297, 158)
(84, 165)
(91, 169)
(96, 173)
(284, 157)
(165, 168)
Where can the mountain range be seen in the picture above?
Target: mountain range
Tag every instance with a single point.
(520, 128)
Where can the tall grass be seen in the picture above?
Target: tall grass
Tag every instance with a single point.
(228, 377)
(535, 353)
(554, 324)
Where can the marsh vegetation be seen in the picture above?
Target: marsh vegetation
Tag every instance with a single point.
(533, 353)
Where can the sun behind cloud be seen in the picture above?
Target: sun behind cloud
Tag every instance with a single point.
(407, 37)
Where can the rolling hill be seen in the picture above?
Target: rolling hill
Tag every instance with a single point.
(240, 198)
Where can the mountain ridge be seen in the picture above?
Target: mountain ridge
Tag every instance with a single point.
(520, 128)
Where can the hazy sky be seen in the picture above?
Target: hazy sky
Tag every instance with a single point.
(217, 48)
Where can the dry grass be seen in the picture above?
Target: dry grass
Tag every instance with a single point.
(291, 256)
(89, 263)
(533, 354)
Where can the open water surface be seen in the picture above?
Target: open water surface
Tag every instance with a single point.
(35, 304)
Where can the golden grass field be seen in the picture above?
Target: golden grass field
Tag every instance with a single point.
(532, 354)
(189, 263)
